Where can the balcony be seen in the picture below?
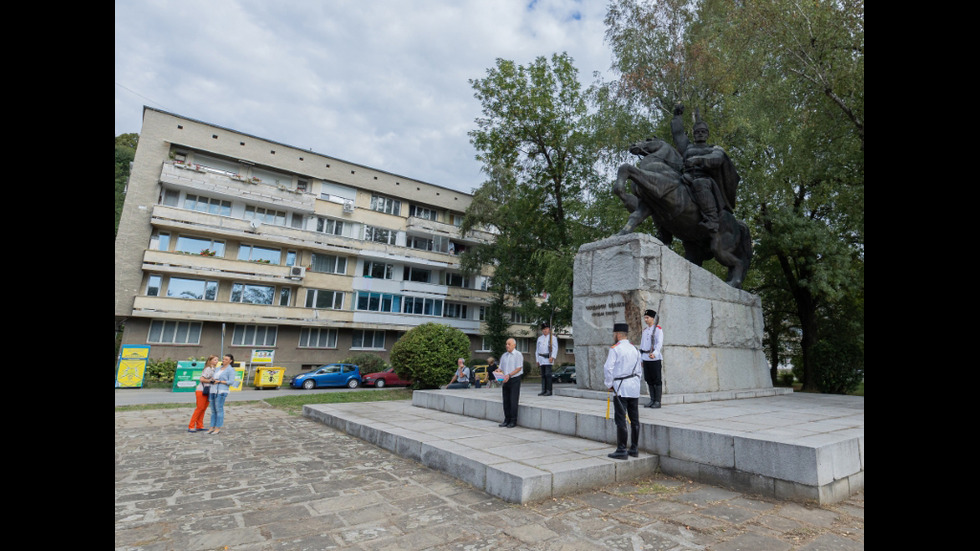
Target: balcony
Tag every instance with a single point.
(221, 184)
(426, 226)
(209, 267)
(233, 312)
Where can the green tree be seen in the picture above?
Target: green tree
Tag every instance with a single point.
(427, 354)
(535, 148)
(497, 324)
(781, 85)
(125, 152)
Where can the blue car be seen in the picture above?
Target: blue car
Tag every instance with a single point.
(348, 375)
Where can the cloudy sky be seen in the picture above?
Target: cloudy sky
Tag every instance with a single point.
(382, 83)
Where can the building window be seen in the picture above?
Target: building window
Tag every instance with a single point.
(422, 306)
(252, 253)
(417, 274)
(379, 235)
(516, 317)
(153, 286)
(386, 204)
(254, 335)
(420, 243)
(329, 264)
(160, 241)
(266, 216)
(483, 313)
(456, 219)
(201, 246)
(329, 226)
(378, 270)
(247, 293)
(171, 197)
(378, 302)
(174, 332)
(368, 339)
(284, 296)
(324, 298)
(422, 212)
(204, 204)
(314, 337)
(454, 310)
(197, 289)
(457, 280)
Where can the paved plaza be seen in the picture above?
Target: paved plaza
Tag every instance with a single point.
(272, 480)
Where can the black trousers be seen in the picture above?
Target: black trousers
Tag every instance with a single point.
(546, 378)
(653, 376)
(627, 432)
(511, 393)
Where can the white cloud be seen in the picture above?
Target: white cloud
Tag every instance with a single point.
(382, 83)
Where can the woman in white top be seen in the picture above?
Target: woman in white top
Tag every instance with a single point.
(223, 378)
(197, 419)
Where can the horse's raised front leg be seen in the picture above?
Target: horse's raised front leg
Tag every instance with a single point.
(638, 216)
(619, 188)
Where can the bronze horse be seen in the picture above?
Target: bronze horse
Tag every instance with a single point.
(659, 192)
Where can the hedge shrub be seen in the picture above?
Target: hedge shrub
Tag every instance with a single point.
(427, 354)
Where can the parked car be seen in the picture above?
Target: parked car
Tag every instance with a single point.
(348, 375)
(480, 373)
(381, 379)
(564, 374)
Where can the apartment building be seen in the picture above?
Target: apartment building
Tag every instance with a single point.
(229, 243)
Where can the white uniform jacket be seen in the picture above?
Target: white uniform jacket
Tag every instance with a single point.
(623, 361)
(541, 354)
(652, 341)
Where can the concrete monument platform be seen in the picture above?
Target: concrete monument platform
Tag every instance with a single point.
(800, 446)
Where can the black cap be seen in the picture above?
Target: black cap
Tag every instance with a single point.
(545, 325)
(621, 328)
(650, 313)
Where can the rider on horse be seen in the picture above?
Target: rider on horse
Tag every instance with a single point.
(707, 170)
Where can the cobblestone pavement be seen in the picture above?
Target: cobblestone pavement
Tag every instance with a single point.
(275, 481)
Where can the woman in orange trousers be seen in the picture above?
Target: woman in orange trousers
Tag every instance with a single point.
(197, 419)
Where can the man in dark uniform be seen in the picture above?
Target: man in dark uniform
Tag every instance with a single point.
(621, 375)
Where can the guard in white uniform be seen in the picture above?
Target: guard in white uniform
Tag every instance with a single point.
(651, 343)
(621, 374)
(545, 353)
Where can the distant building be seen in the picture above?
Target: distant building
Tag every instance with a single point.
(232, 242)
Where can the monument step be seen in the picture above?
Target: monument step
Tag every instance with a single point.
(804, 447)
(517, 464)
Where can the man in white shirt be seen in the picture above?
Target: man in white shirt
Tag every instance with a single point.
(650, 344)
(511, 368)
(621, 374)
(545, 353)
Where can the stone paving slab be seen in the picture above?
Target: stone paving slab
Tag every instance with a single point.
(274, 481)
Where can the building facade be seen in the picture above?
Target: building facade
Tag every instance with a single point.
(229, 243)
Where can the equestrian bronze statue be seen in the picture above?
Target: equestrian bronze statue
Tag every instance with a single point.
(690, 193)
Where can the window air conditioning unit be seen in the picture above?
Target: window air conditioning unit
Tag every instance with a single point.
(297, 272)
(348, 206)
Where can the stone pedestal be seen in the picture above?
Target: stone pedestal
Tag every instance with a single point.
(712, 331)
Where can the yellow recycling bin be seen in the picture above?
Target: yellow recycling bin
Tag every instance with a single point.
(268, 377)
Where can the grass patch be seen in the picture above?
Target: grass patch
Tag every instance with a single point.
(294, 404)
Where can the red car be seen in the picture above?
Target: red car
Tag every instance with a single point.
(384, 378)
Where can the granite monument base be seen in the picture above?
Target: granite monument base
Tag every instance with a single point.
(712, 331)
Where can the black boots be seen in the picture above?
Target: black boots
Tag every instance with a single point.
(633, 451)
(620, 453)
